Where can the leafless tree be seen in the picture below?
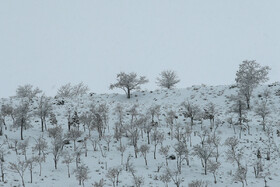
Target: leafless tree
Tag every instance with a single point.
(170, 120)
(22, 117)
(128, 82)
(262, 108)
(154, 111)
(191, 111)
(157, 137)
(144, 149)
(27, 91)
(73, 135)
(41, 146)
(23, 147)
(175, 177)
(19, 167)
(165, 178)
(113, 175)
(164, 150)
(68, 90)
(210, 111)
(68, 158)
(122, 149)
(241, 175)
(99, 184)
(238, 107)
(198, 183)
(133, 136)
(233, 153)
(182, 153)
(57, 144)
(213, 168)
(82, 174)
(204, 152)
(31, 163)
(43, 110)
(168, 79)
(249, 76)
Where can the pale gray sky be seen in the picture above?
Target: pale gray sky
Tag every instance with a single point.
(50, 43)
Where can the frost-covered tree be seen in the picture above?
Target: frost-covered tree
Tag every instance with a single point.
(56, 149)
(22, 146)
(22, 117)
(167, 79)
(67, 159)
(182, 153)
(213, 168)
(68, 90)
(128, 82)
(113, 175)
(238, 107)
(144, 149)
(27, 91)
(175, 177)
(79, 89)
(157, 137)
(241, 175)
(204, 152)
(249, 76)
(82, 174)
(233, 154)
(262, 108)
(73, 135)
(191, 111)
(19, 167)
(43, 110)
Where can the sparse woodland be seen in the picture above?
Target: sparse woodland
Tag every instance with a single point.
(197, 136)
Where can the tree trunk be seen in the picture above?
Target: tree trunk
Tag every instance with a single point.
(128, 93)
(21, 131)
(155, 151)
(68, 171)
(55, 163)
(42, 124)
(205, 167)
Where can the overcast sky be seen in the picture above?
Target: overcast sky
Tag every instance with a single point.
(50, 43)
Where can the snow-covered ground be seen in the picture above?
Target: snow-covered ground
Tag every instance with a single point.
(168, 100)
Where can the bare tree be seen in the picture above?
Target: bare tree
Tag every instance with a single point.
(175, 177)
(128, 82)
(249, 76)
(198, 183)
(191, 111)
(165, 178)
(82, 174)
(23, 147)
(213, 168)
(238, 107)
(182, 153)
(73, 134)
(241, 175)
(157, 137)
(67, 159)
(233, 153)
(164, 150)
(57, 144)
(262, 108)
(22, 117)
(122, 149)
(204, 152)
(79, 89)
(43, 110)
(168, 79)
(31, 162)
(19, 167)
(210, 112)
(113, 175)
(108, 139)
(41, 146)
(27, 91)
(144, 149)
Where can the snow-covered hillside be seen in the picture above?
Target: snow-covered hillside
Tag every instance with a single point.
(175, 127)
